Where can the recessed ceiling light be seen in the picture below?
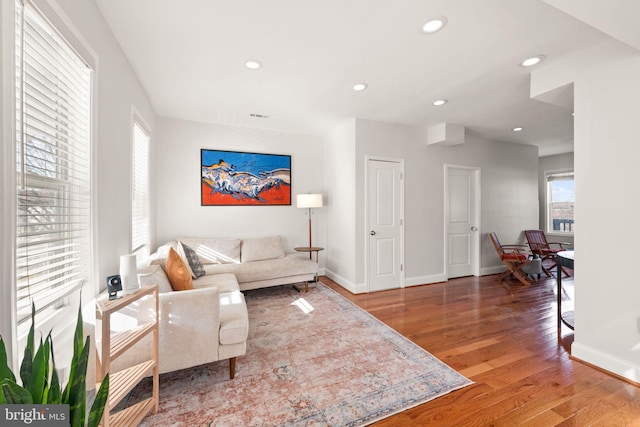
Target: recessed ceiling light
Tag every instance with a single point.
(359, 87)
(529, 62)
(252, 64)
(518, 129)
(434, 25)
(440, 102)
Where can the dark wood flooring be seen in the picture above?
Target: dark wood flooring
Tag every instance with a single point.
(504, 337)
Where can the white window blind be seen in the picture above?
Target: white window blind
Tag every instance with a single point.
(53, 87)
(140, 231)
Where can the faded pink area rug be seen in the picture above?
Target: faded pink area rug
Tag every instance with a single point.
(313, 359)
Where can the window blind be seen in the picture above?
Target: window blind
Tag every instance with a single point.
(140, 231)
(53, 88)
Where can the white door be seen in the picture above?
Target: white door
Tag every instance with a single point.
(462, 222)
(385, 225)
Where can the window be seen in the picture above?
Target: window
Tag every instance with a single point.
(53, 152)
(560, 201)
(140, 231)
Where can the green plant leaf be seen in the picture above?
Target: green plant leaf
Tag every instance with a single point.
(27, 359)
(13, 393)
(5, 370)
(78, 335)
(47, 355)
(97, 408)
(78, 390)
(26, 367)
(55, 392)
(77, 350)
(38, 373)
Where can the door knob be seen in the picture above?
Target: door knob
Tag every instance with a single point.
(373, 233)
(474, 228)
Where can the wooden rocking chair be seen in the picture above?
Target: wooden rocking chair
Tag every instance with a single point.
(545, 250)
(516, 259)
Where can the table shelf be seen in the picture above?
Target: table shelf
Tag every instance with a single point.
(114, 345)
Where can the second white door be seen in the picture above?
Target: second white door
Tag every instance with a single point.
(462, 222)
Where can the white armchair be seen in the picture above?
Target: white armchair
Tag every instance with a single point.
(196, 326)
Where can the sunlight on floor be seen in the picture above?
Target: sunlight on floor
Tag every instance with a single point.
(303, 305)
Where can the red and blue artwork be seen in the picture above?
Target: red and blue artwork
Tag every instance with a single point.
(233, 178)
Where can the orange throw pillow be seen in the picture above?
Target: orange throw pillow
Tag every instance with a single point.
(178, 274)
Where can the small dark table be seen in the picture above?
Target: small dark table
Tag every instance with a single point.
(565, 259)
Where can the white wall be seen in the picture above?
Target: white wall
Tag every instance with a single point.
(116, 92)
(509, 179)
(558, 162)
(340, 182)
(607, 305)
(180, 213)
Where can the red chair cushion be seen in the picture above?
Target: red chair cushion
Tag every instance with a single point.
(519, 257)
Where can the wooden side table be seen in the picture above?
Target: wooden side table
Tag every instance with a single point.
(311, 250)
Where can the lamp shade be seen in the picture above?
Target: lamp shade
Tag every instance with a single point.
(129, 273)
(309, 201)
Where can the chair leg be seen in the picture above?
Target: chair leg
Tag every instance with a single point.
(232, 368)
(521, 277)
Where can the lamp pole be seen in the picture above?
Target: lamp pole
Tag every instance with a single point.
(309, 233)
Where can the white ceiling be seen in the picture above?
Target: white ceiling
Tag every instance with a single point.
(189, 55)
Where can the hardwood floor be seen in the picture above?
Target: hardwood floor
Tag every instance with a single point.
(504, 337)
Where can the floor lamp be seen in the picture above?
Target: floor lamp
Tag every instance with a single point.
(309, 201)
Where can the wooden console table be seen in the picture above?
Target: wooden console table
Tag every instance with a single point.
(564, 259)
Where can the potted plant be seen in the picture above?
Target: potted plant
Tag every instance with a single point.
(40, 382)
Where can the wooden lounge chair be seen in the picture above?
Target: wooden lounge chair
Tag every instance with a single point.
(545, 250)
(516, 259)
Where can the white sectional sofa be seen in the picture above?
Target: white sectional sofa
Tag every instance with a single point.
(256, 263)
(210, 322)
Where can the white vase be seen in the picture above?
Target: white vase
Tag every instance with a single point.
(129, 273)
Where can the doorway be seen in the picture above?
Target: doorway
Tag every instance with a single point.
(385, 224)
(462, 221)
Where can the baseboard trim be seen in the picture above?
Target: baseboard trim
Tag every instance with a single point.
(424, 280)
(487, 271)
(347, 284)
(607, 362)
(362, 288)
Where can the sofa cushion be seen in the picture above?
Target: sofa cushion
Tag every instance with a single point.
(215, 251)
(159, 257)
(234, 319)
(177, 272)
(190, 258)
(224, 282)
(289, 265)
(154, 275)
(261, 249)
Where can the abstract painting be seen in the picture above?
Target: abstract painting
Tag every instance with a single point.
(233, 178)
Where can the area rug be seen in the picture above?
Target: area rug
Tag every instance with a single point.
(313, 359)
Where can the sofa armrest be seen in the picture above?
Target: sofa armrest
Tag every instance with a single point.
(189, 328)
